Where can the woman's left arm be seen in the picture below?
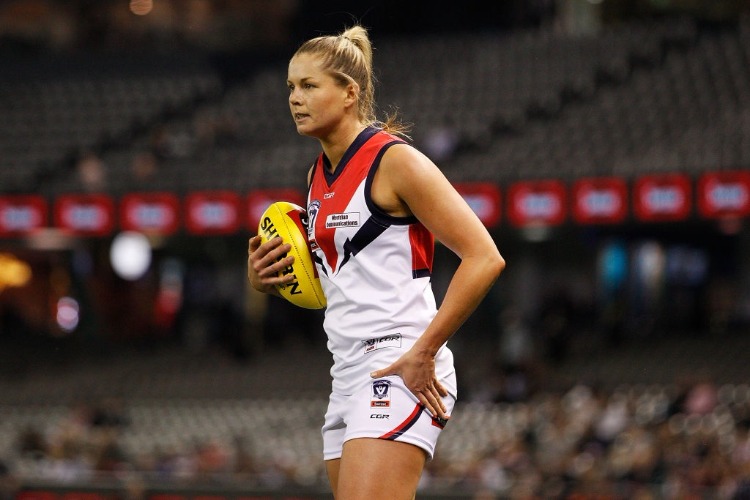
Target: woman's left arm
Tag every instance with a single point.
(409, 183)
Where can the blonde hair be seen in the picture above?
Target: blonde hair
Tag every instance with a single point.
(348, 58)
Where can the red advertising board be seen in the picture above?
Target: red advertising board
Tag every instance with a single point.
(484, 198)
(600, 200)
(540, 202)
(212, 212)
(662, 197)
(150, 213)
(723, 194)
(115, 491)
(258, 201)
(37, 495)
(22, 214)
(85, 214)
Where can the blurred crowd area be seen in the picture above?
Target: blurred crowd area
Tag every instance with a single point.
(28, 26)
(32, 25)
(631, 442)
(532, 421)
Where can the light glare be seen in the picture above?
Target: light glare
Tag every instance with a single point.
(130, 255)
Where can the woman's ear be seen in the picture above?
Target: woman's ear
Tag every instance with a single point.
(352, 94)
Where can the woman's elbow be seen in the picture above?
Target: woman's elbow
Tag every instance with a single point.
(496, 264)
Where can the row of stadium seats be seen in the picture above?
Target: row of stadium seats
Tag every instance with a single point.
(640, 96)
(171, 374)
(471, 83)
(689, 113)
(662, 76)
(53, 112)
(302, 372)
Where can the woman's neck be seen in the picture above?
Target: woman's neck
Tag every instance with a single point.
(336, 144)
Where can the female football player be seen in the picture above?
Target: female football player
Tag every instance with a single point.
(375, 205)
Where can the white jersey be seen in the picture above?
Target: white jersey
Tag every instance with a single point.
(374, 269)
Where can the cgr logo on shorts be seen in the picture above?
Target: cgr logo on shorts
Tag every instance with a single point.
(381, 394)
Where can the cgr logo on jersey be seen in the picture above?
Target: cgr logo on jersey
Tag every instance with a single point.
(381, 394)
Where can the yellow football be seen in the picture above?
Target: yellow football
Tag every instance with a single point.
(289, 221)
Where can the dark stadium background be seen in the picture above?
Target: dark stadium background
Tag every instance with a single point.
(605, 143)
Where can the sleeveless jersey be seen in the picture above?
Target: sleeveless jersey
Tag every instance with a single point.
(374, 268)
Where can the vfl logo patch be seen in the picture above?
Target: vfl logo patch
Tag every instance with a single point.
(381, 394)
(312, 214)
(347, 219)
(393, 340)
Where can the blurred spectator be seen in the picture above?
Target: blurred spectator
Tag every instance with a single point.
(108, 455)
(612, 419)
(145, 166)
(109, 413)
(516, 342)
(91, 172)
(701, 399)
(556, 323)
(73, 428)
(721, 304)
(491, 474)
(167, 143)
(244, 462)
(695, 397)
(9, 484)
(516, 357)
(441, 141)
(37, 23)
(31, 443)
(212, 459)
(211, 129)
(66, 460)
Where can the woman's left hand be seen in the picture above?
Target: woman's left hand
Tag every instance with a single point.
(417, 370)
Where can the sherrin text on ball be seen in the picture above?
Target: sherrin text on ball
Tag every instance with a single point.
(289, 222)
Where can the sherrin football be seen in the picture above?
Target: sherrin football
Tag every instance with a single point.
(289, 221)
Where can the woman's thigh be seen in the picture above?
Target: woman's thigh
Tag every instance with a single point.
(332, 468)
(376, 469)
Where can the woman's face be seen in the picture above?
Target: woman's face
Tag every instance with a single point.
(317, 101)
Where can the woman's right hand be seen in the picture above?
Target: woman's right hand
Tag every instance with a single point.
(264, 261)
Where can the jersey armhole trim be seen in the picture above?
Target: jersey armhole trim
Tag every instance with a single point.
(377, 212)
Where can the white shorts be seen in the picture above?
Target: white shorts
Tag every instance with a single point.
(383, 409)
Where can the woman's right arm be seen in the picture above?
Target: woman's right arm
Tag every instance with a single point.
(265, 261)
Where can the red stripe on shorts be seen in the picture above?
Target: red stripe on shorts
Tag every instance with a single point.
(405, 425)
